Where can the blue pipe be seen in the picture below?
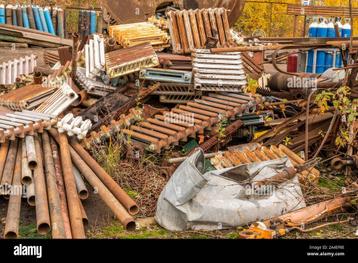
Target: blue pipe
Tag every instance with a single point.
(35, 10)
(25, 18)
(2, 14)
(43, 20)
(48, 19)
(14, 16)
(93, 24)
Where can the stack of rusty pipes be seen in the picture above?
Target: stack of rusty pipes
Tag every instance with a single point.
(46, 169)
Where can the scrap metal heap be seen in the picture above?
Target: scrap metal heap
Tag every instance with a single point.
(166, 88)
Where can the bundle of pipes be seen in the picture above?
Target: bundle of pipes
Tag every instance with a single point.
(129, 35)
(26, 98)
(12, 69)
(49, 172)
(45, 19)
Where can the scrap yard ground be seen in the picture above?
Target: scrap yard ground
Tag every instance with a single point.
(179, 120)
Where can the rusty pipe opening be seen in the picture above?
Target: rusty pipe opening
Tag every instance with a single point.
(133, 210)
(43, 228)
(38, 77)
(31, 200)
(32, 164)
(26, 180)
(11, 235)
(83, 194)
(130, 225)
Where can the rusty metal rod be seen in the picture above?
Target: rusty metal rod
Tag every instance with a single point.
(3, 154)
(73, 200)
(30, 194)
(80, 184)
(42, 212)
(57, 223)
(14, 207)
(31, 152)
(84, 215)
(61, 188)
(116, 190)
(9, 167)
(109, 199)
(26, 173)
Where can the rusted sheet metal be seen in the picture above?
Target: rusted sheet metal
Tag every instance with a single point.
(256, 153)
(27, 97)
(191, 29)
(128, 60)
(188, 120)
(129, 35)
(12, 69)
(253, 64)
(218, 72)
(176, 62)
(129, 11)
(20, 124)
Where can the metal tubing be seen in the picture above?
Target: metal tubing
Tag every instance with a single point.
(73, 200)
(58, 227)
(102, 190)
(80, 184)
(31, 152)
(14, 207)
(8, 173)
(61, 188)
(42, 211)
(3, 153)
(116, 190)
(31, 17)
(30, 194)
(26, 173)
(84, 215)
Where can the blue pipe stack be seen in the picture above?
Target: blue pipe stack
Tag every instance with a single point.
(43, 18)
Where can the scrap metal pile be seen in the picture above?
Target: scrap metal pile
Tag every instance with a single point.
(165, 89)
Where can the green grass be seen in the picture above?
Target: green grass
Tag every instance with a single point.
(30, 231)
(333, 184)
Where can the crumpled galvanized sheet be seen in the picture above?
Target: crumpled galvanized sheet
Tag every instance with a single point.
(193, 200)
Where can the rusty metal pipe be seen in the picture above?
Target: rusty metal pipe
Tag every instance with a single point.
(61, 188)
(116, 190)
(14, 207)
(57, 223)
(8, 173)
(109, 199)
(84, 215)
(31, 152)
(26, 173)
(42, 212)
(30, 194)
(80, 184)
(73, 200)
(3, 154)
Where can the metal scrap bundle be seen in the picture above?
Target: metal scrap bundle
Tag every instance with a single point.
(218, 72)
(129, 60)
(191, 29)
(129, 35)
(14, 68)
(27, 97)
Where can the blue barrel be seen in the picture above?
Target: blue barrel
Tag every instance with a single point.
(347, 29)
(25, 18)
(321, 61)
(48, 19)
(310, 60)
(328, 60)
(322, 29)
(14, 16)
(2, 14)
(338, 59)
(93, 24)
(43, 20)
(35, 10)
(312, 29)
(331, 32)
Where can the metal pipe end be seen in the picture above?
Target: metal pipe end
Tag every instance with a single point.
(83, 194)
(43, 228)
(133, 210)
(130, 224)
(11, 235)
